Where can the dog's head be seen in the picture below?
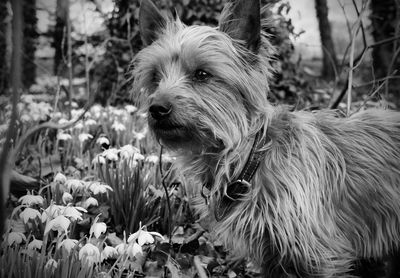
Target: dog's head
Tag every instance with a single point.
(204, 88)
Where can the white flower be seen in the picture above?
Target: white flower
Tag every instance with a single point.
(97, 229)
(67, 198)
(51, 212)
(152, 159)
(68, 244)
(90, 202)
(117, 126)
(143, 237)
(78, 126)
(99, 159)
(128, 151)
(130, 108)
(62, 121)
(134, 249)
(75, 184)
(74, 213)
(111, 154)
(60, 178)
(138, 156)
(84, 136)
(60, 224)
(103, 140)
(99, 188)
(64, 137)
(51, 264)
(139, 135)
(90, 122)
(30, 200)
(35, 244)
(108, 252)
(121, 248)
(29, 213)
(15, 237)
(89, 253)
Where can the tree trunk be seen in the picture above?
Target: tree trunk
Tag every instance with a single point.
(385, 21)
(29, 43)
(4, 65)
(328, 48)
(59, 40)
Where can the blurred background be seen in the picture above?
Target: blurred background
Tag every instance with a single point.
(91, 42)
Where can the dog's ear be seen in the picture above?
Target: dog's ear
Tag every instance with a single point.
(151, 21)
(241, 21)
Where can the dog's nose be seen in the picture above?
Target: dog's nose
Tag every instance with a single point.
(160, 111)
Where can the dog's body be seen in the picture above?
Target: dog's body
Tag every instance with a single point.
(326, 191)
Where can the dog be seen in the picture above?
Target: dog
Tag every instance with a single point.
(303, 194)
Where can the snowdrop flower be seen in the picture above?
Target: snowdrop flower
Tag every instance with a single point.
(130, 108)
(152, 159)
(74, 213)
(60, 224)
(139, 135)
(138, 156)
(111, 154)
(60, 178)
(29, 213)
(108, 252)
(96, 110)
(103, 140)
(35, 244)
(89, 253)
(74, 184)
(68, 244)
(64, 137)
(99, 159)
(97, 229)
(121, 248)
(143, 237)
(51, 212)
(67, 198)
(15, 237)
(90, 202)
(128, 151)
(78, 126)
(30, 200)
(117, 126)
(90, 122)
(51, 264)
(134, 249)
(84, 136)
(62, 121)
(99, 188)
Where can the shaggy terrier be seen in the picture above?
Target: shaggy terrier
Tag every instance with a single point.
(300, 193)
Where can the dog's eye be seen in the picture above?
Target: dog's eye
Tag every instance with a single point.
(201, 75)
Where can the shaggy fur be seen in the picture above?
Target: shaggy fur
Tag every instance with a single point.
(328, 189)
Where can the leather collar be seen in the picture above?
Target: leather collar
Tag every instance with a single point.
(241, 185)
